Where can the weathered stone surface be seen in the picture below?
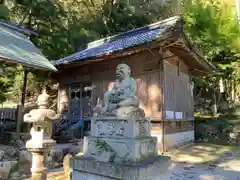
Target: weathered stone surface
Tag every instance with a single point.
(26, 137)
(121, 100)
(50, 163)
(120, 146)
(20, 144)
(5, 168)
(11, 152)
(15, 176)
(25, 159)
(89, 169)
(108, 156)
(57, 155)
(42, 119)
(107, 126)
(2, 154)
(126, 149)
(75, 149)
(25, 156)
(41, 132)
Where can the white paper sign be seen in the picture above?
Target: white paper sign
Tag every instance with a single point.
(169, 115)
(179, 115)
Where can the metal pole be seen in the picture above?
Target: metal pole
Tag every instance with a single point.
(162, 70)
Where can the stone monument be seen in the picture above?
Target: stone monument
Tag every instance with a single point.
(120, 145)
(41, 132)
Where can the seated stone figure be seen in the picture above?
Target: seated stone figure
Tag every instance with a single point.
(122, 98)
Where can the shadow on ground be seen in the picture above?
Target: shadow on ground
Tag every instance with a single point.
(206, 161)
(203, 161)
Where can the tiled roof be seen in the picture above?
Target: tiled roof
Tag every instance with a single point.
(17, 48)
(121, 41)
(17, 27)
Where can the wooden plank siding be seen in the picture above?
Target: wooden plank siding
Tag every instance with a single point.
(145, 68)
(151, 75)
(178, 93)
(161, 85)
(177, 96)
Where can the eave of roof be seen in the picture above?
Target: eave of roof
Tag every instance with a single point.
(121, 41)
(135, 38)
(15, 47)
(18, 28)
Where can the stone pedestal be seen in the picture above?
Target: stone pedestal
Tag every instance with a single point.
(121, 149)
(155, 168)
(119, 127)
(120, 146)
(125, 149)
(39, 171)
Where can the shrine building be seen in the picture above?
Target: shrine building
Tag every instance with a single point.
(162, 61)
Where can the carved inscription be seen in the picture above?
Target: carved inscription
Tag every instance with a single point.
(142, 128)
(110, 128)
(146, 148)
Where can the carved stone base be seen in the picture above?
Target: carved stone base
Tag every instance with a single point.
(152, 169)
(126, 150)
(39, 144)
(107, 126)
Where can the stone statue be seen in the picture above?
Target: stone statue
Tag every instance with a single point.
(122, 98)
(117, 126)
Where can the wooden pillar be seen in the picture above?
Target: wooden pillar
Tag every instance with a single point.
(21, 106)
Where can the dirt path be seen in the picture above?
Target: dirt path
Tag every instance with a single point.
(197, 162)
(205, 162)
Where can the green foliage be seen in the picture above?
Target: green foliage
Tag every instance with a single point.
(67, 26)
(216, 130)
(212, 25)
(103, 146)
(4, 12)
(6, 81)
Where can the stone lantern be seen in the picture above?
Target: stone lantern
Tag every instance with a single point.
(41, 132)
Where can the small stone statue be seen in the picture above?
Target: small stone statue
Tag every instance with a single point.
(122, 98)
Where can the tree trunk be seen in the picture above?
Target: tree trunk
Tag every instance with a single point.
(214, 103)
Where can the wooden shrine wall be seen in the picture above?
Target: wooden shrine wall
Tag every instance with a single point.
(146, 69)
